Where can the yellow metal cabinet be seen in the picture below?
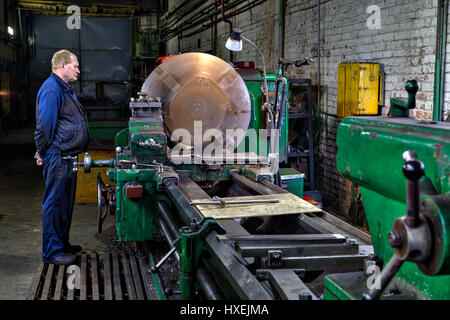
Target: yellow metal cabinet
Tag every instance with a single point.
(87, 182)
(359, 89)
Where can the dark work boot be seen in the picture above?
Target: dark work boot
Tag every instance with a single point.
(73, 249)
(64, 259)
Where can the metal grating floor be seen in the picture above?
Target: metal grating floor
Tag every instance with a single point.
(123, 275)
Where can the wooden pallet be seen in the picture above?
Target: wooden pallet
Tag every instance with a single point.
(123, 275)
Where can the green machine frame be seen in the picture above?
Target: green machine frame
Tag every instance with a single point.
(376, 153)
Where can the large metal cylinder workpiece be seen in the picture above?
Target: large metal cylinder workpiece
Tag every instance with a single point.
(200, 89)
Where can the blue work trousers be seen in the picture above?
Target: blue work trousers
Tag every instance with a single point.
(57, 206)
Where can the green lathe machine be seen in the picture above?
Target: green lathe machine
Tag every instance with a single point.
(402, 168)
(199, 196)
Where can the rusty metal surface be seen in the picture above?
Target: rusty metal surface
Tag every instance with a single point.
(200, 87)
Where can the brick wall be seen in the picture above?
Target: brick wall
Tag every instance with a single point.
(405, 45)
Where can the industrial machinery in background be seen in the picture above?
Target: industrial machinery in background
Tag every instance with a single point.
(402, 168)
(229, 229)
(279, 82)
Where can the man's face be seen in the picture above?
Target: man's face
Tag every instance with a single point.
(70, 70)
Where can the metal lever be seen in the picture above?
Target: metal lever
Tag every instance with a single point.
(155, 268)
(222, 203)
(410, 236)
(413, 169)
(384, 278)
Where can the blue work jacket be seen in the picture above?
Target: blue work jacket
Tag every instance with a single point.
(61, 124)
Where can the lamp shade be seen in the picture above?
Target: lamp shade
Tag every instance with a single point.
(234, 42)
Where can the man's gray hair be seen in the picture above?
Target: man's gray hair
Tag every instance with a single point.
(61, 56)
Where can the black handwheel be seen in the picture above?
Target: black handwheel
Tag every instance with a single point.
(112, 201)
(102, 202)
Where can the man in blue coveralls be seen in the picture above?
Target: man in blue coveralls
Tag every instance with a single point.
(61, 133)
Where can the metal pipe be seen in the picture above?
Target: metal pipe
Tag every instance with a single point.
(230, 26)
(164, 211)
(207, 283)
(443, 58)
(192, 20)
(161, 262)
(203, 276)
(170, 13)
(170, 23)
(282, 105)
(281, 21)
(439, 67)
(201, 13)
(312, 175)
(266, 88)
(251, 185)
(318, 58)
(186, 211)
(204, 27)
(279, 124)
(211, 34)
(274, 187)
(183, 10)
(168, 237)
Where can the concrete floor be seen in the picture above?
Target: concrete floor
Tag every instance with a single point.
(21, 191)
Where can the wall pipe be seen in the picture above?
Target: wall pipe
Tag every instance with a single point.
(318, 56)
(230, 24)
(315, 183)
(170, 13)
(201, 13)
(212, 7)
(183, 10)
(242, 9)
(281, 22)
(220, 19)
(201, 16)
(211, 34)
(439, 67)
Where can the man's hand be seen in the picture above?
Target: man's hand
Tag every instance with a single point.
(39, 161)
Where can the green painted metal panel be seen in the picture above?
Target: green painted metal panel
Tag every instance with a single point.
(370, 154)
(136, 218)
(105, 129)
(294, 180)
(256, 120)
